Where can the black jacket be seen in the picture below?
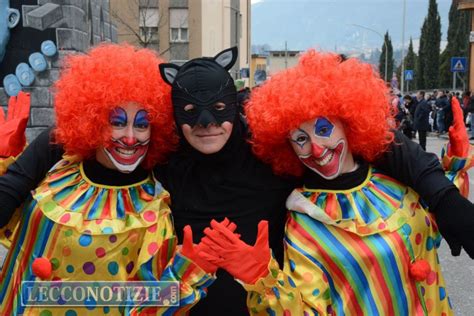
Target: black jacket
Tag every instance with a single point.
(421, 120)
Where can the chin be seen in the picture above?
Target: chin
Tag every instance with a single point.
(209, 149)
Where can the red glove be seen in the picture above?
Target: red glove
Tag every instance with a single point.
(192, 252)
(458, 139)
(243, 262)
(12, 130)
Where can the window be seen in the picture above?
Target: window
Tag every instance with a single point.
(149, 17)
(149, 34)
(148, 22)
(179, 25)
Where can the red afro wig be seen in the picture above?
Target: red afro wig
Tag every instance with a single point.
(322, 84)
(109, 75)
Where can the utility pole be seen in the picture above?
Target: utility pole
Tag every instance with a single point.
(402, 75)
(286, 56)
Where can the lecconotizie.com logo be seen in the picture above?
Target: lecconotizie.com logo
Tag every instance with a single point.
(99, 293)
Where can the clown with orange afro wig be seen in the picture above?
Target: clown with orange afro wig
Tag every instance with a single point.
(355, 239)
(100, 215)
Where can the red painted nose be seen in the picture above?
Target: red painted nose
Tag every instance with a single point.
(317, 150)
(129, 141)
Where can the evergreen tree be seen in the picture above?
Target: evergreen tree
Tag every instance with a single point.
(386, 50)
(410, 64)
(458, 43)
(420, 61)
(428, 66)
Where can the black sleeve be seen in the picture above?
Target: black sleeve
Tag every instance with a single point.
(407, 162)
(28, 171)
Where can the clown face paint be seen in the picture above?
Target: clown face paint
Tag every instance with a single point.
(321, 145)
(130, 138)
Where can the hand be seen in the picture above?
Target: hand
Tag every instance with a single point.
(458, 139)
(192, 252)
(455, 220)
(12, 129)
(244, 262)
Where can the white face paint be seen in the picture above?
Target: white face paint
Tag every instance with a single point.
(130, 138)
(321, 145)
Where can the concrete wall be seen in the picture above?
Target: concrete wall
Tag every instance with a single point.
(79, 24)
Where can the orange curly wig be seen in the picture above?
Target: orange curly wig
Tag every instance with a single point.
(91, 85)
(320, 85)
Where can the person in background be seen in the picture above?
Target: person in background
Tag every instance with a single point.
(421, 120)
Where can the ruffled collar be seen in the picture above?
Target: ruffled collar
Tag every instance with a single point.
(67, 196)
(365, 209)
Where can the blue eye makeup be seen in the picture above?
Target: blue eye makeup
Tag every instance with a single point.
(141, 119)
(323, 127)
(118, 117)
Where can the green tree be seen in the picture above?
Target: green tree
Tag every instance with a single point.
(410, 64)
(386, 50)
(429, 53)
(458, 43)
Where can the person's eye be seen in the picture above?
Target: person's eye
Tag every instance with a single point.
(219, 106)
(189, 108)
(323, 131)
(142, 125)
(301, 139)
(116, 123)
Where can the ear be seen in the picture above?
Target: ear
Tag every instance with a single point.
(168, 72)
(227, 57)
(13, 18)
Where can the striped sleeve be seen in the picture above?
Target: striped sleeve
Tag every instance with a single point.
(167, 264)
(290, 291)
(456, 169)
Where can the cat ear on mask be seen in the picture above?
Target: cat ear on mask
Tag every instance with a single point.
(227, 57)
(168, 72)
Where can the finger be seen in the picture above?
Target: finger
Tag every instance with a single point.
(224, 231)
(262, 234)
(11, 107)
(211, 258)
(210, 245)
(218, 238)
(2, 116)
(227, 223)
(23, 105)
(187, 238)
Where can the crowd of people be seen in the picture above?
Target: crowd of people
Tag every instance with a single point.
(314, 204)
(424, 113)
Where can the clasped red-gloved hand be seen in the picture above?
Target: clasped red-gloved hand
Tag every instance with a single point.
(244, 262)
(192, 252)
(458, 139)
(12, 129)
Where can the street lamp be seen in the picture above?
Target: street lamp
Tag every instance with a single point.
(384, 42)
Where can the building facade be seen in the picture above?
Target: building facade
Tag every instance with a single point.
(184, 29)
(281, 59)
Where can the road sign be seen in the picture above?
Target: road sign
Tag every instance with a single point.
(458, 64)
(408, 75)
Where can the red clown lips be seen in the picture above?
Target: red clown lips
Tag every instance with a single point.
(329, 164)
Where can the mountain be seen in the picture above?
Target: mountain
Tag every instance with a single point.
(339, 24)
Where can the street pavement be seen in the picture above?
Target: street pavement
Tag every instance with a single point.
(458, 271)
